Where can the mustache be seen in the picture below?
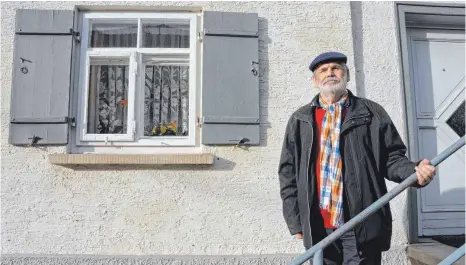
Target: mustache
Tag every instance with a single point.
(332, 78)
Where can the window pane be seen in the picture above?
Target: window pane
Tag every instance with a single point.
(165, 35)
(456, 121)
(108, 99)
(166, 100)
(114, 35)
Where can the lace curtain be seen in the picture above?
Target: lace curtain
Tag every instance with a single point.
(108, 99)
(165, 90)
(166, 100)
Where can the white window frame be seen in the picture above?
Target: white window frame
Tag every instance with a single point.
(131, 129)
(135, 121)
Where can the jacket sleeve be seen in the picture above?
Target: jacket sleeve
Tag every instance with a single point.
(399, 167)
(287, 171)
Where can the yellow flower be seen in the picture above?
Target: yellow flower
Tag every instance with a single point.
(163, 129)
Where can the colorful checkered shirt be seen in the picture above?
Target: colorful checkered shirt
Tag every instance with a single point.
(331, 181)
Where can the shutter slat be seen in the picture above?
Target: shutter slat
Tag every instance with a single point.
(41, 77)
(230, 96)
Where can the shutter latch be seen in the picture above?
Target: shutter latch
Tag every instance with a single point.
(242, 144)
(34, 139)
(76, 35)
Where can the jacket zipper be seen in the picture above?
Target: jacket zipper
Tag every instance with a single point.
(307, 180)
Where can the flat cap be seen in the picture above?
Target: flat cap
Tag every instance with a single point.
(327, 57)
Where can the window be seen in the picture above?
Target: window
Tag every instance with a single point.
(137, 80)
(456, 120)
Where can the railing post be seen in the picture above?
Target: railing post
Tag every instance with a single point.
(318, 258)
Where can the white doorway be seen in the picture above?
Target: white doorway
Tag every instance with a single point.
(437, 71)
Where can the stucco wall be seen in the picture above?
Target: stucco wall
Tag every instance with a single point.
(231, 208)
(378, 58)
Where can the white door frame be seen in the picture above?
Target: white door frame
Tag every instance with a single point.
(419, 15)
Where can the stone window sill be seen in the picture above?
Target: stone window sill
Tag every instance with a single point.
(117, 159)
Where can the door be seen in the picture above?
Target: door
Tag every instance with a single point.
(437, 65)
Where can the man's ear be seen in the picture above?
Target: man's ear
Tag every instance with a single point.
(347, 72)
(314, 81)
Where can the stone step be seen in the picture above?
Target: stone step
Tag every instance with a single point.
(430, 252)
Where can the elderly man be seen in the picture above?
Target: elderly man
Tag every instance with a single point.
(337, 152)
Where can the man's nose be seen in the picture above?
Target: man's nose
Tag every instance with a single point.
(330, 73)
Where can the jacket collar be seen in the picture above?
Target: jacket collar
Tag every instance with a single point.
(354, 108)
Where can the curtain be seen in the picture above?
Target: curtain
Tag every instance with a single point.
(166, 36)
(114, 35)
(166, 100)
(166, 86)
(108, 85)
(108, 99)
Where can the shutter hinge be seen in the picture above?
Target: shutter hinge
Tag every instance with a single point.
(43, 120)
(76, 35)
(199, 36)
(72, 121)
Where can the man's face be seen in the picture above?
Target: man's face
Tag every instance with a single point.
(330, 78)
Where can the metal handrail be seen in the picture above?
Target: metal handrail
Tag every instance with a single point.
(317, 250)
(456, 255)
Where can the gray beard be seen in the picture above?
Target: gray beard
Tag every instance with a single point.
(334, 90)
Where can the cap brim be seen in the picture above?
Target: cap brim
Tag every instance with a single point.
(336, 60)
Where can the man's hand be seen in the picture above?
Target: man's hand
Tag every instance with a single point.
(299, 235)
(425, 172)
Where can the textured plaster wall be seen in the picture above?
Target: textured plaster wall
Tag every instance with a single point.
(231, 208)
(377, 53)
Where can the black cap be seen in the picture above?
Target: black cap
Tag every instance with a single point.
(327, 57)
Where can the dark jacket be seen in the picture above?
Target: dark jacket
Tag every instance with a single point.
(371, 149)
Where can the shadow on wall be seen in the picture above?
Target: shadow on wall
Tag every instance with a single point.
(264, 42)
(358, 46)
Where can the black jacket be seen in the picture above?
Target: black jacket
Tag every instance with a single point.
(371, 149)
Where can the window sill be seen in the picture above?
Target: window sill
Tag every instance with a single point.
(117, 159)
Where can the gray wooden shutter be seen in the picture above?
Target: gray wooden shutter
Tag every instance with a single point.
(230, 78)
(41, 77)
